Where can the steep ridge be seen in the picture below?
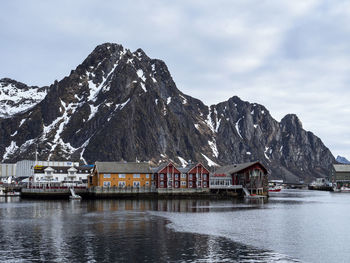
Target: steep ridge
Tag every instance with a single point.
(123, 105)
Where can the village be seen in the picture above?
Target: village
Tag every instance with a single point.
(65, 179)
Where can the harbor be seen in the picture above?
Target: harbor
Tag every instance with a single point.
(202, 229)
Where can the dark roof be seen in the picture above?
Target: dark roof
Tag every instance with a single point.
(187, 168)
(118, 167)
(234, 168)
(341, 167)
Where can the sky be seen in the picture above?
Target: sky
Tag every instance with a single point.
(290, 56)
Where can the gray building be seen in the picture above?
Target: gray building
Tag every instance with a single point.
(341, 175)
(7, 170)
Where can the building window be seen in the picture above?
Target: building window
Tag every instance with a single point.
(183, 183)
(204, 177)
(183, 176)
(161, 176)
(80, 178)
(121, 175)
(176, 184)
(147, 176)
(169, 183)
(147, 183)
(136, 175)
(107, 176)
(204, 184)
(176, 177)
(56, 178)
(136, 184)
(121, 184)
(190, 184)
(107, 184)
(161, 184)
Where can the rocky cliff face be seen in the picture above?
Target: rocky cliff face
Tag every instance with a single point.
(123, 105)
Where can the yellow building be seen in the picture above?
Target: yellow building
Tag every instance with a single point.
(117, 174)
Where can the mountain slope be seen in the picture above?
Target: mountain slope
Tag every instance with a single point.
(123, 105)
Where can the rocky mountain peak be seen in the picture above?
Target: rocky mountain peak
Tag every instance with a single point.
(122, 105)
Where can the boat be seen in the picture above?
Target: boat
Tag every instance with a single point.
(73, 195)
(275, 189)
(345, 189)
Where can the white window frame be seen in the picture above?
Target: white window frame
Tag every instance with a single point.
(121, 184)
(107, 184)
(136, 184)
(106, 175)
(136, 176)
(121, 176)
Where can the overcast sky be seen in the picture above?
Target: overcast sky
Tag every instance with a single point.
(291, 56)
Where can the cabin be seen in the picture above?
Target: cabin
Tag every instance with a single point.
(251, 177)
(120, 174)
(195, 176)
(340, 175)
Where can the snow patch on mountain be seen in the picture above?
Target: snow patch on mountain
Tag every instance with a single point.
(14, 100)
(210, 162)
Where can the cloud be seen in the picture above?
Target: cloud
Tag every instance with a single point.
(291, 56)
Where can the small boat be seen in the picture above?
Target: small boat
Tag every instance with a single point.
(275, 189)
(73, 195)
(76, 197)
(345, 189)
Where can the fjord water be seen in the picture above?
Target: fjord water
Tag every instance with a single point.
(292, 226)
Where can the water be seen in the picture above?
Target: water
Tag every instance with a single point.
(292, 226)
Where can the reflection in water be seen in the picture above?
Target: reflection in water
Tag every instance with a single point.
(174, 230)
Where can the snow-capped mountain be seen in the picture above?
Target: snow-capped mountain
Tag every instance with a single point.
(341, 159)
(123, 105)
(16, 97)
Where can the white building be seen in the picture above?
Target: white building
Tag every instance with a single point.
(61, 174)
(25, 168)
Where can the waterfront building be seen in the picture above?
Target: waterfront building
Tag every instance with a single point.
(197, 176)
(25, 168)
(7, 172)
(77, 175)
(340, 175)
(167, 176)
(120, 174)
(251, 177)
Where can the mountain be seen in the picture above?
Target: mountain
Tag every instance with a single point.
(341, 159)
(123, 105)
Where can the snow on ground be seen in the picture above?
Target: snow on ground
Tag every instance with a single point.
(183, 161)
(168, 100)
(143, 87)
(267, 150)
(196, 125)
(210, 162)
(93, 111)
(10, 150)
(214, 148)
(249, 153)
(237, 128)
(141, 75)
(156, 101)
(184, 100)
(14, 100)
(255, 126)
(209, 121)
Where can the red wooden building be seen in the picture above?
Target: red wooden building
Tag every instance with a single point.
(166, 176)
(251, 176)
(197, 176)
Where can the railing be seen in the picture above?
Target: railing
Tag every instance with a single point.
(225, 186)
